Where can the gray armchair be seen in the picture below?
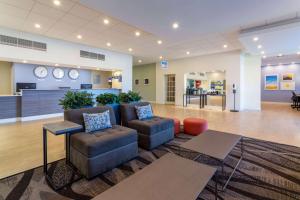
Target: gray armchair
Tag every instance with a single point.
(103, 150)
(152, 132)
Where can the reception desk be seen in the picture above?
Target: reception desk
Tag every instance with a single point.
(37, 104)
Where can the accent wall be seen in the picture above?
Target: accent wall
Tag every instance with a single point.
(279, 95)
(24, 73)
(141, 72)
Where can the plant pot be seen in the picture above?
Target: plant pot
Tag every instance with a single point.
(116, 109)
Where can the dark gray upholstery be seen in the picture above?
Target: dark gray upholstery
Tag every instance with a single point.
(91, 145)
(152, 132)
(95, 153)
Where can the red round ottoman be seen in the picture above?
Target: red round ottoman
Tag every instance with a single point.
(176, 126)
(194, 126)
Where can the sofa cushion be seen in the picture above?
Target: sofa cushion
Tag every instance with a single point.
(96, 121)
(128, 112)
(144, 112)
(103, 141)
(76, 115)
(152, 125)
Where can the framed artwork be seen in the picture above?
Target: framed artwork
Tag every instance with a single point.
(271, 82)
(288, 77)
(136, 81)
(146, 81)
(290, 85)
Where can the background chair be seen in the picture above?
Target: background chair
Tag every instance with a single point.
(152, 132)
(100, 151)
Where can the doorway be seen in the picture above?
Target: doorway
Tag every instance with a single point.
(170, 88)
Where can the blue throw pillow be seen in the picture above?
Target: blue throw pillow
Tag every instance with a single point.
(144, 112)
(96, 121)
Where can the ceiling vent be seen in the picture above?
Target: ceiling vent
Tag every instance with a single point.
(23, 43)
(91, 55)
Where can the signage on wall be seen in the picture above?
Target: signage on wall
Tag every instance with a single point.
(164, 64)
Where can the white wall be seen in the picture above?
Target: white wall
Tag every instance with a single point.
(230, 62)
(242, 70)
(250, 82)
(66, 54)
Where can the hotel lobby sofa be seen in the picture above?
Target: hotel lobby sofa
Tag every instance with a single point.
(100, 151)
(152, 132)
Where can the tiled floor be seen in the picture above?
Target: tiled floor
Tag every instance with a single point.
(21, 143)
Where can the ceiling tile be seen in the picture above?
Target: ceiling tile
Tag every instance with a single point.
(13, 11)
(83, 12)
(33, 19)
(47, 11)
(24, 4)
(74, 20)
(63, 27)
(11, 22)
(66, 5)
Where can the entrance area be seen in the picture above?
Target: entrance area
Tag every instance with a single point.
(205, 90)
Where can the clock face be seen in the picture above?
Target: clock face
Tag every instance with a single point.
(40, 72)
(73, 74)
(58, 73)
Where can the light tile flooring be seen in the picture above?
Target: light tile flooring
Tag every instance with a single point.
(21, 143)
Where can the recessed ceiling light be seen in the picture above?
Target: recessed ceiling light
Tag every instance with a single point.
(140, 61)
(264, 57)
(187, 53)
(56, 65)
(98, 68)
(225, 46)
(280, 55)
(160, 57)
(24, 61)
(298, 53)
(159, 42)
(255, 39)
(37, 25)
(130, 49)
(108, 44)
(137, 33)
(262, 52)
(79, 36)
(259, 46)
(175, 25)
(78, 67)
(106, 21)
(56, 2)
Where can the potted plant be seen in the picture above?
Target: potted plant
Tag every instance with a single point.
(134, 96)
(76, 99)
(130, 97)
(111, 100)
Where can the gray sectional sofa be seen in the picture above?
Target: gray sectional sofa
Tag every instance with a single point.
(152, 132)
(103, 150)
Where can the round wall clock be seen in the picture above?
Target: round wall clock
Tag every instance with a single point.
(58, 73)
(73, 74)
(40, 72)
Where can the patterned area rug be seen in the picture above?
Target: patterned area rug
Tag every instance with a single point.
(262, 174)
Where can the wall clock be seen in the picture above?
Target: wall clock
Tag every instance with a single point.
(40, 72)
(58, 73)
(73, 74)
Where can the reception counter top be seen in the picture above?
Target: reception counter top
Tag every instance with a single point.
(37, 104)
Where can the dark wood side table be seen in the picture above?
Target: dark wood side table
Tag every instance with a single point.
(58, 128)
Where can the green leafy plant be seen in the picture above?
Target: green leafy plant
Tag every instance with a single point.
(129, 97)
(124, 97)
(134, 96)
(107, 98)
(75, 99)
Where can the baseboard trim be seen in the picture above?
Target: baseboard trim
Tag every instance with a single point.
(37, 117)
(272, 102)
(9, 120)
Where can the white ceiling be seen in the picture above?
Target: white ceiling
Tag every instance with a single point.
(204, 26)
